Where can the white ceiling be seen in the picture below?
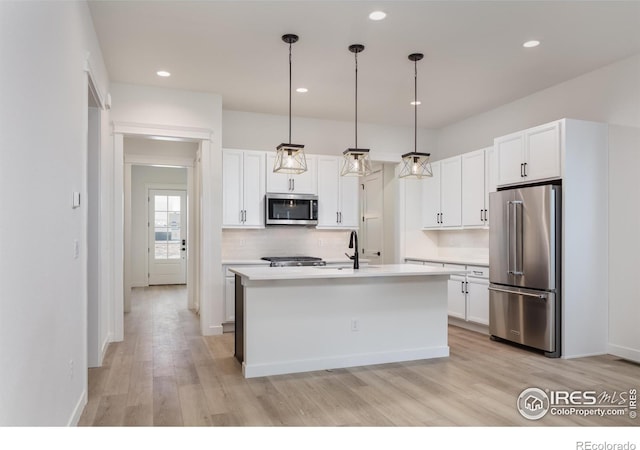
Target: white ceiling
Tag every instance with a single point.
(474, 59)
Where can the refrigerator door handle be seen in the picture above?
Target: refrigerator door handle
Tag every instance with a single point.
(525, 294)
(514, 238)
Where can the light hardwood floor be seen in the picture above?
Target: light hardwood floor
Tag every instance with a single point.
(165, 373)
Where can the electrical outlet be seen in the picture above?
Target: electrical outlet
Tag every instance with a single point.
(355, 325)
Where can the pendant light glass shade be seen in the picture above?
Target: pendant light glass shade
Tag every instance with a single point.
(356, 160)
(415, 164)
(290, 158)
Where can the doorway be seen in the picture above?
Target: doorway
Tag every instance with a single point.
(167, 236)
(372, 204)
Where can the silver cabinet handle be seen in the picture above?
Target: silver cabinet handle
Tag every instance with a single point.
(524, 294)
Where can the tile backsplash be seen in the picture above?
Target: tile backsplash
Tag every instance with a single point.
(472, 244)
(283, 241)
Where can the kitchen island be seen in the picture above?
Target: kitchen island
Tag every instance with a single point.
(298, 319)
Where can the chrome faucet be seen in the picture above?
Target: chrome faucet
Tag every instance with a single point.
(353, 242)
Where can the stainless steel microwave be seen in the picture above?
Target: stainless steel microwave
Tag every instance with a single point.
(291, 209)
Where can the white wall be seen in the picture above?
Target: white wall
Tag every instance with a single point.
(624, 242)
(141, 178)
(43, 123)
(325, 137)
(610, 94)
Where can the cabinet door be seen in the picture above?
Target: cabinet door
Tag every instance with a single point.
(543, 152)
(328, 191)
(229, 299)
(451, 192)
(277, 182)
(431, 198)
(305, 183)
(478, 301)
(473, 188)
(490, 178)
(253, 186)
(232, 188)
(456, 297)
(510, 155)
(349, 203)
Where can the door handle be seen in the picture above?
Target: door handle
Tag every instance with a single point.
(524, 294)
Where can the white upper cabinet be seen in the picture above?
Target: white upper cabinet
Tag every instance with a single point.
(529, 155)
(286, 183)
(243, 188)
(338, 205)
(442, 195)
(477, 182)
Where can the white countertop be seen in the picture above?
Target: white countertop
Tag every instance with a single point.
(324, 272)
(453, 260)
(262, 262)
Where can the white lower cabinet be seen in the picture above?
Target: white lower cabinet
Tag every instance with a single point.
(229, 299)
(468, 296)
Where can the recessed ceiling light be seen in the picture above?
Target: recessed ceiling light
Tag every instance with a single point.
(163, 73)
(377, 15)
(531, 44)
(302, 90)
(416, 103)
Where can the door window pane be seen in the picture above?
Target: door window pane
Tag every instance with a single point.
(167, 227)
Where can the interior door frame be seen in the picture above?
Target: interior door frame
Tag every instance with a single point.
(205, 258)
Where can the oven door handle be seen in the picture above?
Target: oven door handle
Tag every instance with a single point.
(525, 294)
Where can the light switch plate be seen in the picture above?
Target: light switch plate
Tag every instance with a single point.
(76, 200)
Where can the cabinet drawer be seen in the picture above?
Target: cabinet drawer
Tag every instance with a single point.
(478, 272)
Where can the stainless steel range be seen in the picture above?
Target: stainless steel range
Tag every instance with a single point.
(286, 261)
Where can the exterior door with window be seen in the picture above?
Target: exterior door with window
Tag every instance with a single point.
(167, 236)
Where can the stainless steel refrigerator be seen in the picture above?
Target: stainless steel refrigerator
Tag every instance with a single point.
(525, 265)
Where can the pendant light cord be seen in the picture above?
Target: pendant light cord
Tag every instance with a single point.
(415, 106)
(356, 56)
(290, 93)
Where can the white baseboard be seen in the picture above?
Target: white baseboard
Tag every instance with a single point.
(213, 330)
(632, 354)
(478, 328)
(77, 411)
(364, 359)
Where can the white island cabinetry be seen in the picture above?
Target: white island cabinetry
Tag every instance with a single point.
(329, 318)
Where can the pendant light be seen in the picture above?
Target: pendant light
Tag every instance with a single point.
(290, 157)
(356, 160)
(415, 164)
